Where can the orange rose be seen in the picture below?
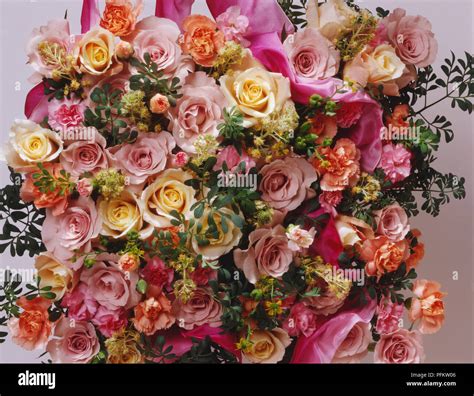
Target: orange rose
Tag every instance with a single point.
(417, 252)
(201, 39)
(153, 314)
(382, 255)
(339, 166)
(399, 116)
(428, 306)
(32, 328)
(51, 199)
(120, 16)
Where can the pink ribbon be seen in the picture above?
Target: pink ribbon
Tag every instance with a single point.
(90, 15)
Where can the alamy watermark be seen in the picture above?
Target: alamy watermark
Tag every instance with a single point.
(77, 133)
(237, 180)
(411, 133)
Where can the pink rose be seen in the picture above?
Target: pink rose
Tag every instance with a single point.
(392, 222)
(109, 286)
(412, 38)
(73, 344)
(79, 303)
(233, 159)
(85, 156)
(180, 159)
(159, 38)
(156, 273)
(326, 303)
(300, 321)
(198, 112)
(65, 114)
(355, 346)
(402, 346)
(55, 33)
(202, 308)
(285, 182)
(72, 230)
(147, 156)
(110, 321)
(388, 316)
(234, 25)
(268, 254)
(395, 162)
(311, 54)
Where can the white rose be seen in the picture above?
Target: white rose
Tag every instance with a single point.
(54, 274)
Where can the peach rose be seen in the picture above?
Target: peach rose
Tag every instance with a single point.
(153, 314)
(392, 222)
(286, 182)
(340, 165)
(268, 254)
(403, 346)
(382, 255)
(352, 230)
(417, 252)
(124, 50)
(267, 346)
(129, 262)
(32, 328)
(94, 54)
(201, 39)
(50, 199)
(355, 346)
(120, 16)
(428, 306)
(159, 104)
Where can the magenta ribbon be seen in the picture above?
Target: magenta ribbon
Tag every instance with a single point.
(321, 346)
(90, 15)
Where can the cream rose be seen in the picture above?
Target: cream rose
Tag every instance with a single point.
(224, 242)
(94, 53)
(267, 346)
(256, 92)
(30, 144)
(121, 215)
(52, 273)
(330, 17)
(167, 193)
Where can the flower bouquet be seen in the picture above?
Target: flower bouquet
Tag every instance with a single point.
(234, 188)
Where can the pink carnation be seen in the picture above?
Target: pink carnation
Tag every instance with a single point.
(395, 162)
(156, 273)
(301, 320)
(233, 25)
(388, 317)
(80, 304)
(109, 321)
(349, 113)
(65, 114)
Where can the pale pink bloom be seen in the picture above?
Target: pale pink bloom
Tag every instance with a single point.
(286, 182)
(198, 112)
(392, 222)
(76, 343)
(412, 38)
(124, 49)
(396, 162)
(268, 254)
(402, 346)
(299, 238)
(355, 346)
(145, 157)
(311, 54)
(72, 230)
(300, 321)
(84, 187)
(234, 25)
(388, 316)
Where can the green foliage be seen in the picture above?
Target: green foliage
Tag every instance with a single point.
(21, 221)
(295, 12)
(232, 129)
(48, 183)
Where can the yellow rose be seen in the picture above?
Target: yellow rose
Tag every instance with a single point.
(167, 193)
(94, 53)
(267, 346)
(121, 215)
(53, 273)
(383, 64)
(256, 92)
(330, 17)
(223, 242)
(30, 144)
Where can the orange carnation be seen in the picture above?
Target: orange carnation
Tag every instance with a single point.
(153, 314)
(201, 39)
(120, 16)
(428, 306)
